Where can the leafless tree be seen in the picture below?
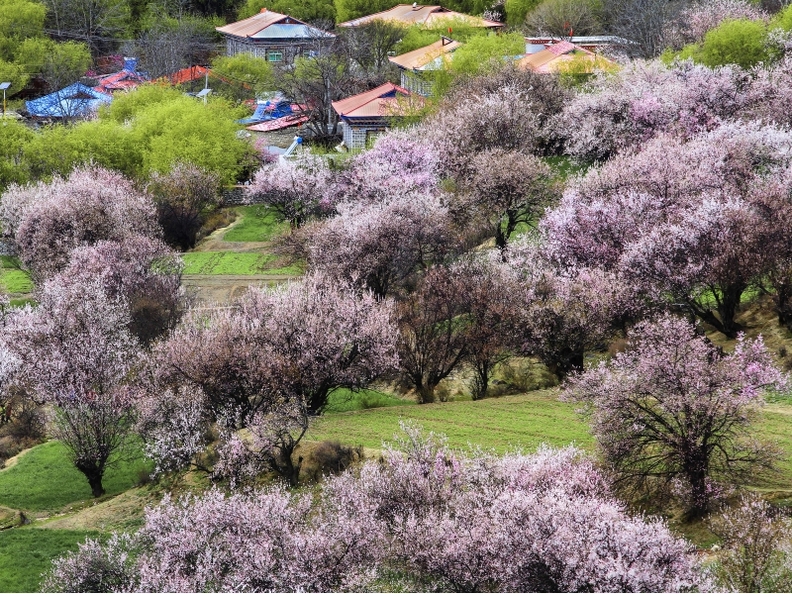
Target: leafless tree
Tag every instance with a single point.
(641, 23)
(318, 81)
(565, 18)
(172, 45)
(369, 46)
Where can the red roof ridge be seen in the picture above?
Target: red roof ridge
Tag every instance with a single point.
(561, 48)
(348, 105)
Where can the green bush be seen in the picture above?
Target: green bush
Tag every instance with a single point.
(517, 10)
(742, 42)
(305, 10)
(477, 55)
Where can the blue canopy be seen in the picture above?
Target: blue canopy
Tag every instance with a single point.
(76, 100)
(268, 111)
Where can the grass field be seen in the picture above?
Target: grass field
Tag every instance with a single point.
(344, 400)
(502, 424)
(44, 479)
(510, 422)
(235, 263)
(258, 223)
(12, 278)
(26, 553)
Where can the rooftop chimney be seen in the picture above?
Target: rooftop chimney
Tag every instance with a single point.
(130, 64)
(415, 6)
(263, 10)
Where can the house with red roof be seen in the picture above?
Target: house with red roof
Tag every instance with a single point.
(368, 114)
(556, 57)
(273, 36)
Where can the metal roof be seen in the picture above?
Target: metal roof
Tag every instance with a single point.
(410, 14)
(255, 27)
(289, 31)
(76, 100)
(553, 56)
(279, 124)
(377, 102)
(426, 58)
(120, 81)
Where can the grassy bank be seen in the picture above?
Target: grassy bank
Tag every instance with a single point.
(502, 424)
(236, 263)
(26, 553)
(258, 223)
(45, 480)
(13, 279)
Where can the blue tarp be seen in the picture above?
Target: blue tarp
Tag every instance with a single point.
(268, 111)
(76, 100)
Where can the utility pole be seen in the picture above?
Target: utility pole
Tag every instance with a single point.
(4, 86)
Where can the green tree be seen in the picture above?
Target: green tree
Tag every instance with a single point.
(783, 20)
(741, 42)
(144, 131)
(517, 10)
(15, 137)
(58, 150)
(418, 36)
(185, 130)
(315, 11)
(477, 55)
(19, 20)
(248, 75)
(346, 10)
(58, 64)
(14, 73)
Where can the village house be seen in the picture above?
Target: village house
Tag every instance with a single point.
(366, 115)
(428, 16)
(416, 66)
(276, 37)
(556, 57)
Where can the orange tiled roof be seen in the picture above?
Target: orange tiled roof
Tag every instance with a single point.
(373, 103)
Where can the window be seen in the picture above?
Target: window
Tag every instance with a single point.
(274, 56)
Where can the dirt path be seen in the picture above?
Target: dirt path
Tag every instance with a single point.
(224, 288)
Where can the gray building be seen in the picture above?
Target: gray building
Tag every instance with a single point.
(278, 38)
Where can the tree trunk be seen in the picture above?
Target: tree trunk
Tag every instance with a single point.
(481, 380)
(94, 476)
(500, 237)
(727, 309)
(566, 362)
(696, 471)
(294, 471)
(425, 393)
(784, 303)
